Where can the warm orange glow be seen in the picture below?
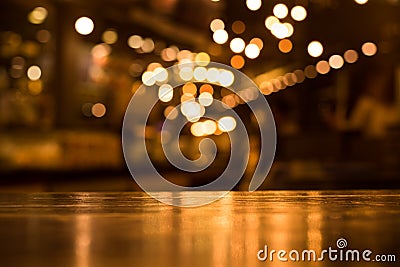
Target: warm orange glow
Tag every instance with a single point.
(280, 11)
(229, 100)
(253, 5)
(315, 49)
(170, 112)
(266, 87)
(237, 45)
(220, 36)
(336, 62)
(298, 13)
(217, 24)
(257, 41)
(110, 36)
(237, 62)
(206, 88)
(238, 27)
(285, 46)
(350, 56)
(300, 76)
(189, 88)
(369, 49)
(323, 67)
(310, 72)
(252, 51)
(98, 110)
(84, 25)
(271, 20)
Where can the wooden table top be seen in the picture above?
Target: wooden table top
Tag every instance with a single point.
(132, 229)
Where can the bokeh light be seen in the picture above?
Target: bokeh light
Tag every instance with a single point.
(323, 67)
(34, 73)
(110, 36)
(238, 27)
(165, 93)
(285, 46)
(217, 24)
(315, 49)
(99, 110)
(298, 13)
(237, 45)
(227, 124)
(252, 51)
(206, 99)
(351, 56)
(135, 41)
(202, 59)
(369, 49)
(84, 25)
(253, 5)
(220, 36)
(361, 2)
(336, 62)
(280, 11)
(237, 61)
(38, 15)
(271, 20)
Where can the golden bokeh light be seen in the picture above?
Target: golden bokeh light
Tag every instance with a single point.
(220, 36)
(170, 112)
(257, 41)
(237, 61)
(369, 49)
(238, 27)
(110, 36)
(280, 11)
(147, 45)
(34, 73)
(165, 93)
(135, 41)
(99, 110)
(237, 45)
(253, 5)
(148, 78)
(266, 87)
(280, 30)
(212, 75)
(315, 49)
(351, 56)
(205, 99)
(43, 36)
(186, 73)
(84, 25)
(252, 51)
(227, 124)
(200, 73)
(226, 78)
(336, 62)
(189, 88)
(206, 88)
(361, 2)
(202, 59)
(298, 13)
(285, 46)
(323, 67)
(217, 24)
(271, 20)
(310, 72)
(300, 76)
(38, 15)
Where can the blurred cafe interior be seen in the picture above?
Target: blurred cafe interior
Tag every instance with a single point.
(329, 69)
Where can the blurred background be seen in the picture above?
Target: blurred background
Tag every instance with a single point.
(329, 69)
